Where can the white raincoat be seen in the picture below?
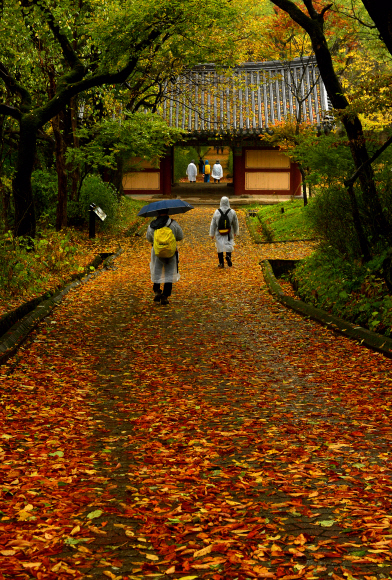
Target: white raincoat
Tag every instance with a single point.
(224, 243)
(217, 171)
(191, 172)
(164, 270)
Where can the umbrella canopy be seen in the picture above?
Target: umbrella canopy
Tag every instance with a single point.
(172, 205)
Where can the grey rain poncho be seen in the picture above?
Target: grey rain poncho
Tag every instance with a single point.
(165, 270)
(217, 171)
(224, 243)
(191, 171)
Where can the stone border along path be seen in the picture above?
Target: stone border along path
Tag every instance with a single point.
(12, 339)
(363, 335)
(233, 438)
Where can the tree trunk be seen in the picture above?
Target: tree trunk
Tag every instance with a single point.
(313, 25)
(75, 174)
(5, 201)
(25, 222)
(303, 175)
(380, 12)
(118, 177)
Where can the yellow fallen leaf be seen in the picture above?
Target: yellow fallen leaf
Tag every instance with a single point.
(111, 575)
(75, 530)
(7, 552)
(203, 551)
(34, 565)
(24, 515)
(152, 557)
(171, 570)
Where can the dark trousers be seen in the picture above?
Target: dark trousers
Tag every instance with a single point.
(167, 288)
(220, 257)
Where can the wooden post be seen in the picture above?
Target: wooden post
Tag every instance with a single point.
(238, 171)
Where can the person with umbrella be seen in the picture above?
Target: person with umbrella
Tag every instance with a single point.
(164, 233)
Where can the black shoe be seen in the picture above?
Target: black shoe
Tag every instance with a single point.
(164, 300)
(158, 296)
(229, 262)
(221, 265)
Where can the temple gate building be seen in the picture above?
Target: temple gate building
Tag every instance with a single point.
(234, 109)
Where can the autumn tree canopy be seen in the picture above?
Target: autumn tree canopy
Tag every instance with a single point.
(62, 51)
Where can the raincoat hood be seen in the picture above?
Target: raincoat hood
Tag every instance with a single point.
(224, 204)
(159, 222)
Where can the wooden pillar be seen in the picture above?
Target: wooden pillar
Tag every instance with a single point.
(238, 171)
(166, 173)
(295, 180)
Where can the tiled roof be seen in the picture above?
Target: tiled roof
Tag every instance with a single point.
(249, 99)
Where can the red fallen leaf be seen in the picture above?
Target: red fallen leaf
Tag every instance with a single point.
(147, 567)
(358, 433)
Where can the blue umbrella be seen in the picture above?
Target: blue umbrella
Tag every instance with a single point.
(172, 205)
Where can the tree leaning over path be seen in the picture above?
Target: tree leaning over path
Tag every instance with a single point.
(313, 24)
(85, 45)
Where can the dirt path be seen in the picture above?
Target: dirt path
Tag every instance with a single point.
(221, 437)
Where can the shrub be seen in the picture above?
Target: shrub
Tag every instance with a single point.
(331, 218)
(27, 266)
(94, 190)
(346, 289)
(44, 186)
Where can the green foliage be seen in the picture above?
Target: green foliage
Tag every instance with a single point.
(182, 157)
(44, 185)
(330, 215)
(144, 135)
(94, 190)
(326, 158)
(27, 266)
(290, 224)
(346, 289)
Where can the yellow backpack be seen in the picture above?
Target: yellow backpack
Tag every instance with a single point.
(164, 243)
(207, 169)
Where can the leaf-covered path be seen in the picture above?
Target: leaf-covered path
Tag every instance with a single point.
(220, 437)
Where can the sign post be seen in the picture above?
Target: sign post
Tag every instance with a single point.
(94, 211)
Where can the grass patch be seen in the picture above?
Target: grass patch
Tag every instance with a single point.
(285, 221)
(357, 293)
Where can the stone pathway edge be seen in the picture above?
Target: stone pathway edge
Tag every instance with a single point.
(364, 336)
(14, 337)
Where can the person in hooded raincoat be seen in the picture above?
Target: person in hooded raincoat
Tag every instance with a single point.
(217, 171)
(191, 171)
(207, 171)
(163, 270)
(224, 243)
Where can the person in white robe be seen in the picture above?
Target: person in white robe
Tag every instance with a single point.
(224, 243)
(217, 172)
(163, 270)
(191, 171)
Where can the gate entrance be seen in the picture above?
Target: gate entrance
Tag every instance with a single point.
(183, 155)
